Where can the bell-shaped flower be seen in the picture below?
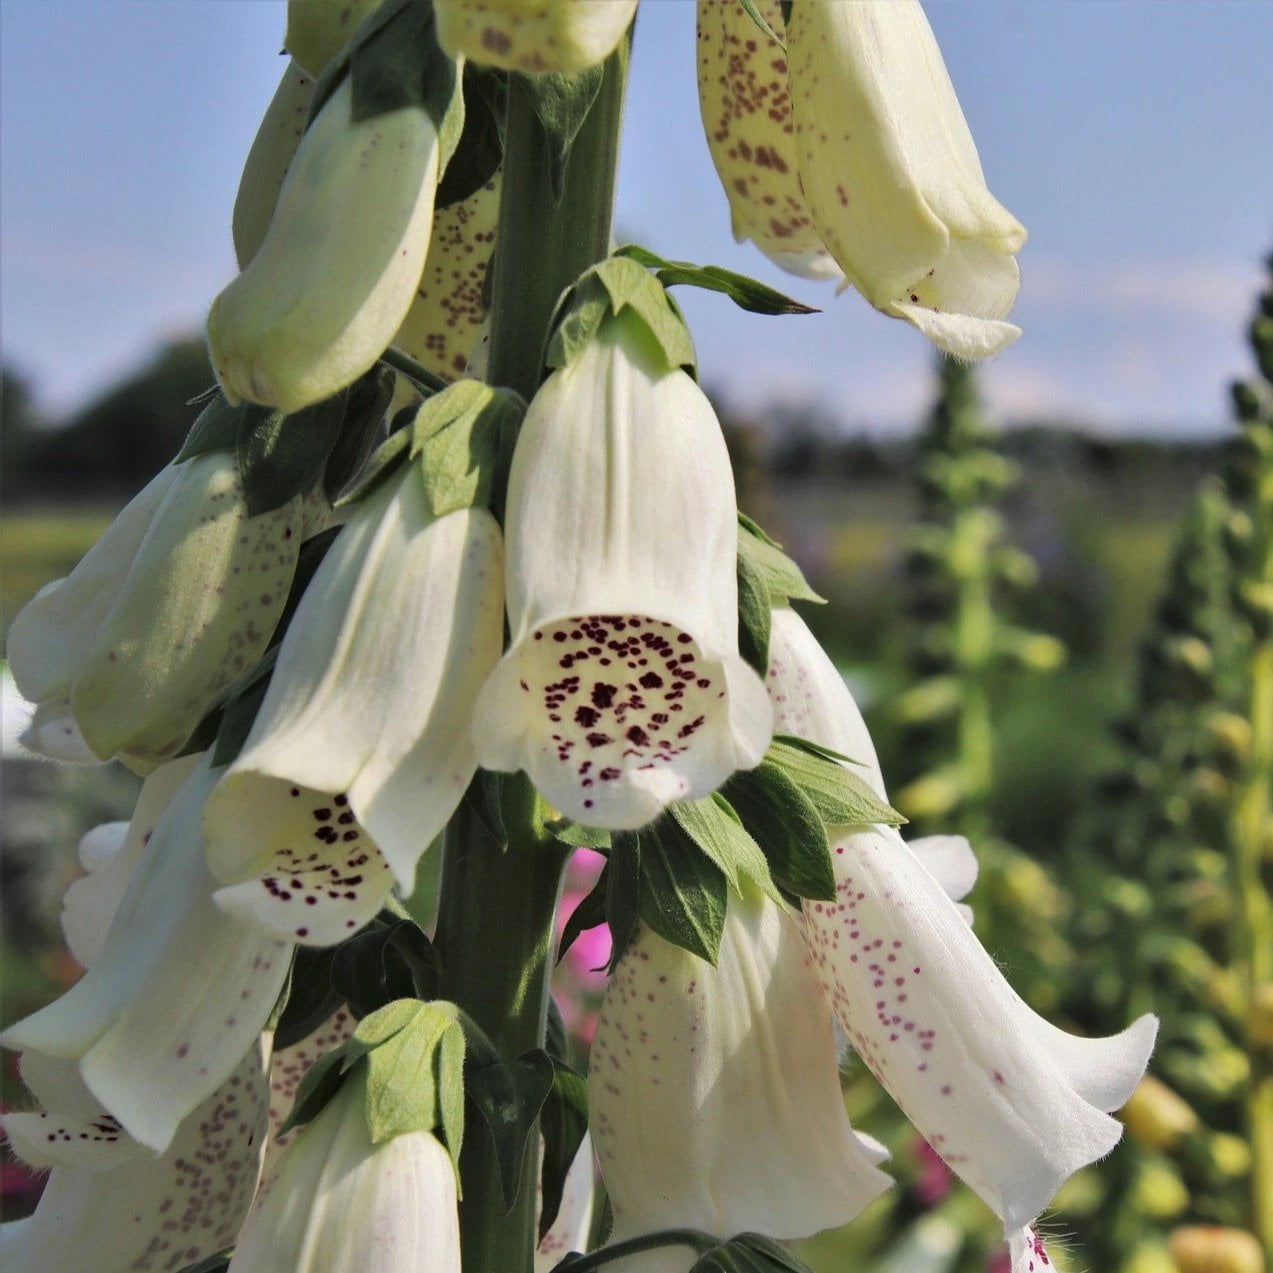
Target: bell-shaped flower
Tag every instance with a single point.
(177, 600)
(746, 106)
(1013, 1104)
(178, 990)
(535, 36)
(714, 1094)
(623, 688)
(892, 177)
(334, 277)
(444, 324)
(112, 1205)
(570, 1230)
(336, 1202)
(360, 752)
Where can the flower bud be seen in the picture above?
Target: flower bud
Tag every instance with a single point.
(334, 277)
(536, 36)
(1156, 1116)
(892, 177)
(1213, 1249)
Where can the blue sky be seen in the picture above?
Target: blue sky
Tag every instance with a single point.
(1132, 137)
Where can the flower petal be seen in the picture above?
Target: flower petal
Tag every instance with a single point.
(949, 859)
(1011, 1103)
(1027, 1253)
(570, 1230)
(53, 732)
(714, 1093)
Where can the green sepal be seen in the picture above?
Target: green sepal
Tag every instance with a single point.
(841, 797)
(576, 835)
(785, 823)
(561, 104)
(785, 6)
(782, 579)
(755, 616)
(384, 963)
(509, 1098)
(749, 7)
(369, 399)
(215, 429)
(746, 293)
(590, 912)
(622, 876)
(217, 1263)
(563, 1122)
(414, 1071)
(311, 998)
(610, 288)
(282, 456)
(318, 1085)
(463, 438)
(480, 150)
(749, 1253)
(385, 461)
(484, 798)
(682, 894)
(716, 829)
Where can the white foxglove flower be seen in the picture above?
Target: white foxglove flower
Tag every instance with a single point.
(714, 1094)
(570, 1230)
(177, 600)
(336, 1202)
(892, 176)
(112, 1205)
(537, 36)
(444, 324)
(746, 106)
(178, 990)
(334, 277)
(1014, 1105)
(359, 753)
(623, 689)
(1027, 1252)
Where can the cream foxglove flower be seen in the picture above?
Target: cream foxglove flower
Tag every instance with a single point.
(714, 1094)
(334, 277)
(177, 600)
(360, 754)
(318, 29)
(537, 36)
(894, 184)
(112, 1205)
(178, 990)
(336, 1202)
(746, 106)
(444, 324)
(570, 1230)
(623, 689)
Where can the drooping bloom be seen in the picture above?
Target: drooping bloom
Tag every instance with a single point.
(623, 688)
(336, 1202)
(112, 1205)
(745, 101)
(537, 36)
(892, 176)
(177, 600)
(714, 1094)
(334, 277)
(444, 324)
(570, 1230)
(178, 990)
(360, 753)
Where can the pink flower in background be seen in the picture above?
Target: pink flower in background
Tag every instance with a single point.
(581, 974)
(935, 1178)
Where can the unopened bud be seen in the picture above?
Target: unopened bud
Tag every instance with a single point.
(1230, 1155)
(1150, 1257)
(1159, 1191)
(1212, 1249)
(932, 795)
(1157, 1116)
(933, 699)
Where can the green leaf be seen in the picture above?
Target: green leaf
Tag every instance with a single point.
(509, 1098)
(841, 797)
(369, 399)
(385, 461)
(683, 894)
(780, 577)
(714, 828)
(215, 429)
(462, 437)
(747, 293)
(319, 1084)
(563, 1121)
(217, 1263)
(623, 892)
(281, 456)
(589, 913)
(480, 150)
(755, 616)
(576, 320)
(311, 999)
(561, 104)
(783, 821)
(386, 962)
(578, 836)
(630, 286)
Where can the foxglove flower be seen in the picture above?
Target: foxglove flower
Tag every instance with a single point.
(746, 106)
(318, 29)
(892, 177)
(360, 753)
(178, 991)
(177, 600)
(570, 1230)
(537, 36)
(334, 277)
(623, 688)
(112, 1205)
(337, 1202)
(714, 1095)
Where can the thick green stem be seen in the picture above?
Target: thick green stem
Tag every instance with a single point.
(498, 903)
